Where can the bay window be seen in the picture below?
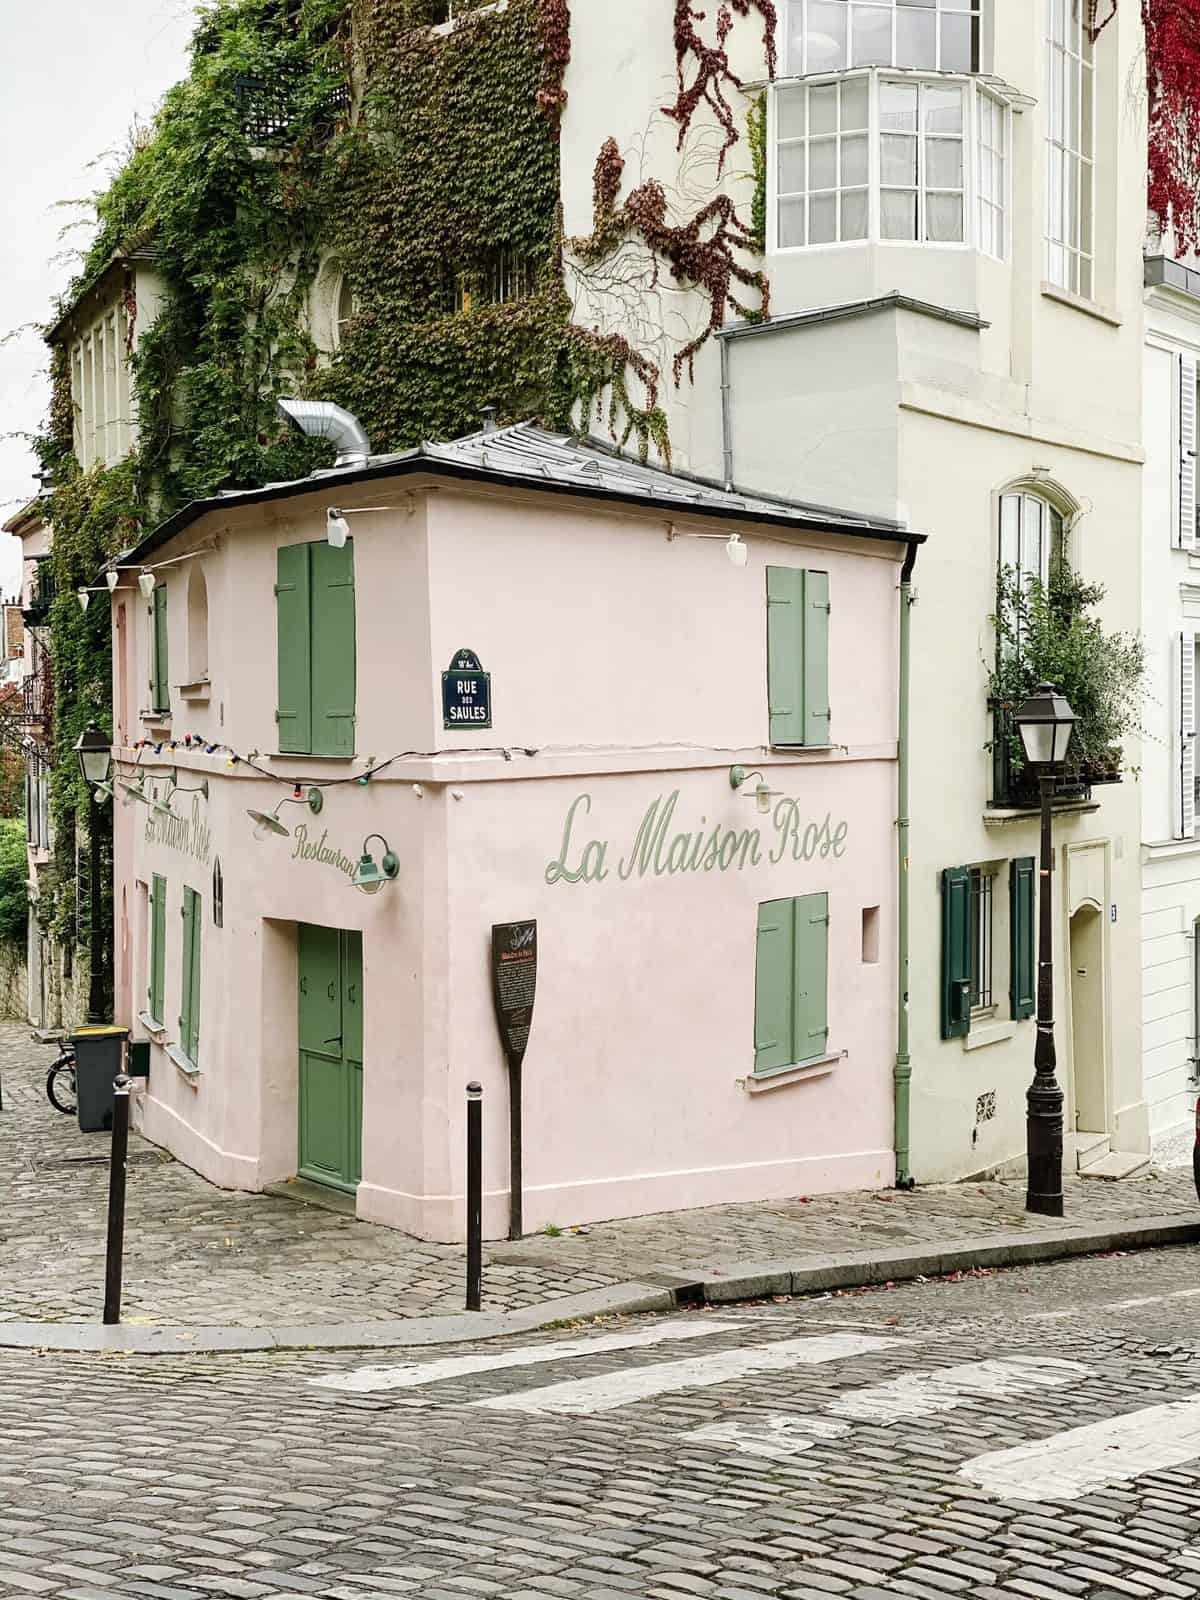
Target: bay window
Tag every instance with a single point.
(833, 35)
(877, 156)
(1070, 148)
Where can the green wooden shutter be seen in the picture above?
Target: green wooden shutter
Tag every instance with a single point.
(333, 668)
(189, 1015)
(294, 647)
(159, 684)
(810, 1011)
(816, 658)
(785, 654)
(774, 971)
(956, 952)
(1022, 897)
(158, 945)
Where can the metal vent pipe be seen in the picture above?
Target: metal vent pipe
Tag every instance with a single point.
(321, 419)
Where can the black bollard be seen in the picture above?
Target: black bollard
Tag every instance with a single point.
(115, 1253)
(474, 1196)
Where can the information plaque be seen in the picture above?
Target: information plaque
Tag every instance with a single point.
(514, 983)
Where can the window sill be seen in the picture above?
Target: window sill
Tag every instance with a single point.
(186, 1065)
(1051, 291)
(782, 1077)
(156, 1030)
(156, 718)
(993, 1033)
(1004, 816)
(297, 755)
(200, 690)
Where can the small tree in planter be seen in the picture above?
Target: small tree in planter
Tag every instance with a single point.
(1048, 633)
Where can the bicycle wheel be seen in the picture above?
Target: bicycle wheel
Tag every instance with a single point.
(60, 1087)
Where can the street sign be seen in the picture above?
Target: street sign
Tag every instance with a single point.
(466, 693)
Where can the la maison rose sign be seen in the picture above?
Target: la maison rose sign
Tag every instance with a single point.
(663, 848)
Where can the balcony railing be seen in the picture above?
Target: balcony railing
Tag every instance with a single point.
(42, 592)
(37, 698)
(268, 111)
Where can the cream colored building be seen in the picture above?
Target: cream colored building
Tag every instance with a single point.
(955, 208)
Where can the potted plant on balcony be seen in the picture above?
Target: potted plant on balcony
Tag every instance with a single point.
(1049, 633)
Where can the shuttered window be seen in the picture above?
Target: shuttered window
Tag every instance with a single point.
(189, 1010)
(1185, 416)
(158, 947)
(314, 605)
(160, 691)
(791, 982)
(957, 933)
(1022, 905)
(1184, 804)
(798, 611)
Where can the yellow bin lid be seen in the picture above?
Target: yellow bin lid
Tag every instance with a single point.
(100, 1030)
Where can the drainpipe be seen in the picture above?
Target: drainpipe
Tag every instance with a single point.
(902, 1075)
(726, 417)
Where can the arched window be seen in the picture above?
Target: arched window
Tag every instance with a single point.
(344, 311)
(1032, 535)
(197, 609)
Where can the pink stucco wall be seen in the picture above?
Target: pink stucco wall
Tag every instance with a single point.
(625, 666)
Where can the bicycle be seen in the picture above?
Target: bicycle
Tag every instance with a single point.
(60, 1081)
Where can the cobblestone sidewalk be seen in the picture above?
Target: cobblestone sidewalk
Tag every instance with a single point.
(201, 1257)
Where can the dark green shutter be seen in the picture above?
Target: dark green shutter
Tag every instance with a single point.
(956, 952)
(774, 971)
(158, 945)
(294, 646)
(1022, 898)
(816, 658)
(810, 1010)
(333, 667)
(189, 1013)
(785, 654)
(159, 684)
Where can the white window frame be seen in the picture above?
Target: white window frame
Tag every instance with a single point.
(937, 7)
(1183, 742)
(1075, 56)
(972, 91)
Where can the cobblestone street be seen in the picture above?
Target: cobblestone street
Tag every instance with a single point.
(201, 1256)
(1024, 1435)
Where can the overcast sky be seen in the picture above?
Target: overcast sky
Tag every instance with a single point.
(74, 77)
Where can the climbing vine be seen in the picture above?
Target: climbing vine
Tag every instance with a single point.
(709, 64)
(1173, 74)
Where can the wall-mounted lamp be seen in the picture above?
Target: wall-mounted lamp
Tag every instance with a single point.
(337, 529)
(135, 791)
(265, 825)
(763, 794)
(371, 875)
(147, 582)
(84, 596)
(112, 579)
(735, 549)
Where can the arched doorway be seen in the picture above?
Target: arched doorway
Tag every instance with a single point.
(1088, 1044)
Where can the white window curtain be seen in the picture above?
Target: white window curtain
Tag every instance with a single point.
(1185, 734)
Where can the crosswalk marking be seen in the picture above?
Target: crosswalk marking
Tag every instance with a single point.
(1069, 1465)
(585, 1396)
(775, 1437)
(925, 1394)
(414, 1374)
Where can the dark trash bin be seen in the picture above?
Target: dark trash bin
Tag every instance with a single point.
(99, 1052)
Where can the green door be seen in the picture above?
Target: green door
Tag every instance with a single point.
(330, 982)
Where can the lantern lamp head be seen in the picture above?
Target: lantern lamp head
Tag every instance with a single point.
(371, 875)
(1045, 723)
(337, 529)
(112, 578)
(95, 754)
(146, 582)
(84, 597)
(737, 551)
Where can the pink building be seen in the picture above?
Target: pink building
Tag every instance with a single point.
(716, 1013)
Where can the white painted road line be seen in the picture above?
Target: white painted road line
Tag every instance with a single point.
(585, 1396)
(1069, 1465)
(414, 1374)
(776, 1437)
(925, 1394)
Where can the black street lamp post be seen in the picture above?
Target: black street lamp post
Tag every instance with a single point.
(1045, 722)
(95, 763)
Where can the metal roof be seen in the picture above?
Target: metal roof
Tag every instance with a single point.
(530, 457)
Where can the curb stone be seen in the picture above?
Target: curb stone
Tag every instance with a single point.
(664, 1289)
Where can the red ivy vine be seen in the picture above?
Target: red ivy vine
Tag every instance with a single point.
(713, 72)
(699, 252)
(1173, 75)
(554, 25)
